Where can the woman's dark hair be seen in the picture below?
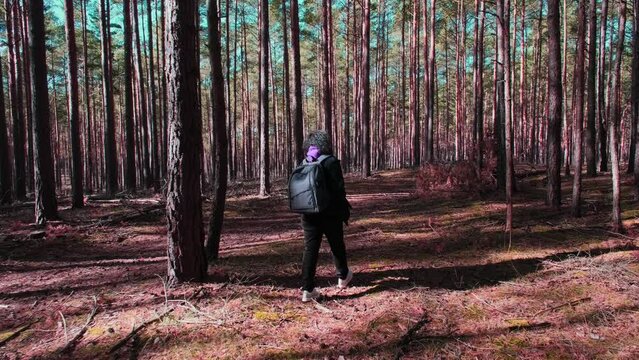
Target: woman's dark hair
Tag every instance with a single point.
(320, 139)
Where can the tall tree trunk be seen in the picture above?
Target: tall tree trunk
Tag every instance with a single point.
(523, 97)
(414, 86)
(615, 119)
(129, 169)
(326, 69)
(155, 160)
(77, 200)
(87, 107)
(219, 131)
(46, 206)
(634, 96)
(110, 155)
(478, 80)
(578, 110)
(23, 26)
(186, 258)
(460, 83)
(287, 92)
(365, 106)
(15, 98)
(554, 107)
(601, 96)
(265, 183)
(590, 139)
(503, 10)
(5, 162)
(142, 97)
(432, 79)
(296, 98)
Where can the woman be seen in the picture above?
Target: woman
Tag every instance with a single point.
(328, 222)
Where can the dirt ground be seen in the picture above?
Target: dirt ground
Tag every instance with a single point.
(435, 277)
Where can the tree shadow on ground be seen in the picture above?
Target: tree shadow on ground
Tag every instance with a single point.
(450, 278)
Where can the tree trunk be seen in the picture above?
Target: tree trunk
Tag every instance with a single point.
(478, 80)
(186, 261)
(265, 183)
(142, 99)
(553, 160)
(129, 170)
(23, 27)
(15, 99)
(110, 155)
(503, 17)
(46, 207)
(365, 105)
(432, 79)
(5, 162)
(634, 96)
(296, 98)
(601, 96)
(219, 131)
(87, 107)
(77, 200)
(155, 166)
(414, 86)
(326, 69)
(615, 119)
(590, 139)
(287, 93)
(578, 110)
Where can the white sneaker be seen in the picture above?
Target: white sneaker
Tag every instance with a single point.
(342, 283)
(310, 295)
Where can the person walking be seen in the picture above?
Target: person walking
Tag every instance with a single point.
(328, 222)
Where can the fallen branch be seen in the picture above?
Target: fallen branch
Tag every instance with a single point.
(408, 336)
(567, 303)
(137, 329)
(131, 215)
(70, 346)
(16, 333)
(142, 326)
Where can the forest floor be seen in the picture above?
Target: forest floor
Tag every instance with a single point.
(435, 277)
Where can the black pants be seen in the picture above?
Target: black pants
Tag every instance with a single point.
(314, 227)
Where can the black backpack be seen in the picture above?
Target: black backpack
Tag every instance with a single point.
(308, 189)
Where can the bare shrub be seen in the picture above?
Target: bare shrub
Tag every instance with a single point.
(459, 177)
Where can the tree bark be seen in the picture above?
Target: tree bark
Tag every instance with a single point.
(129, 170)
(186, 259)
(155, 160)
(578, 111)
(478, 90)
(110, 155)
(601, 96)
(265, 183)
(614, 121)
(5, 162)
(219, 131)
(15, 98)
(46, 207)
(503, 10)
(553, 160)
(365, 105)
(326, 69)
(414, 86)
(296, 98)
(77, 200)
(635, 92)
(590, 139)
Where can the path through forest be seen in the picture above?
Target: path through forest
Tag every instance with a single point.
(433, 276)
